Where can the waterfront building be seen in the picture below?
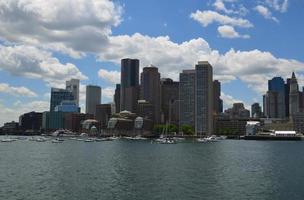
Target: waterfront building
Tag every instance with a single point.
(67, 106)
(294, 103)
(93, 98)
(73, 86)
(218, 102)
(52, 120)
(103, 114)
(117, 98)
(277, 87)
(237, 111)
(203, 98)
(58, 95)
(72, 121)
(150, 90)
(170, 101)
(145, 109)
(298, 122)
(256, 110)
(223, 125)
(187, 98)
(287, 89)
(129, 86)
(252, 128)
(10, 128)
(30, 121)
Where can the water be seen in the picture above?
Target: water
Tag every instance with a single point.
(237, 170)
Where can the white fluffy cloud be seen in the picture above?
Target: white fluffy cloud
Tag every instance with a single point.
(12, 113)
(110, 76)
(208, 17)
(253, 67)
(278, 5)
(265, 12)
(220, 6)
(229, 100)
(73, 27)
(35, 63)
(16, 91)
(107, 94)
(227, 31)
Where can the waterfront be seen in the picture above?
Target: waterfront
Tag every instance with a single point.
(229, 169)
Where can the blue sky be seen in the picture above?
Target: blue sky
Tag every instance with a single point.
(247, 42)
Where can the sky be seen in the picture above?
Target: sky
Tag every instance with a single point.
(44, 43)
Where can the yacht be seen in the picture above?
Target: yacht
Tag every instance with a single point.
(57, 140)
(40, 139)
(167, 141)
(8, 140)
(89, 140)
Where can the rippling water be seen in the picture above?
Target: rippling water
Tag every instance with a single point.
(237, 170)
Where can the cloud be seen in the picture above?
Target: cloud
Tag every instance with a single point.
(110, 76)
(35, 63)
(227, 31)
(208, 17)
(16, 91)
(72, 27)
(229, 100)
(278, 5)
(12, 113)
(253, 67)
(107, 94)
(262, 10)
(219, 5)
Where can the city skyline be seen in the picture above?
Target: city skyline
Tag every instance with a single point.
(239, 44)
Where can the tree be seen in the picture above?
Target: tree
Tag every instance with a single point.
(187, 130)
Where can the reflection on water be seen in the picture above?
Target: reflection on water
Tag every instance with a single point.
(141, 170)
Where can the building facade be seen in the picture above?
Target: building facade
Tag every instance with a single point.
(52, 120)
(218, 102)
(129, 86)
(203, 98)
(73, 86)
(103, 114)
(256, 110)
(30, 121)
(58, 95)
(93, 98)
(294, 99)
(117, 98)
(67, 106)
(150, 90)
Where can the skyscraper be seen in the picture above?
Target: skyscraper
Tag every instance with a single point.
(287, 89)
(187, 98)
(117, 98)
(277, 85)
(218, 102)
(93, 98)
(73, 86)
(203, 98)
(150, 89)
(293, 95)
(129, 87)
(58, 95)
(256, 110)
(270, 104)
(170, 100)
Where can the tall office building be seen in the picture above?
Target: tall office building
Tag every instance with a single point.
(187, 98)
(170, 100)
(287, 89)
(270, 104)
(218, 102)
(117, 98)
(203, 98)
(93, 98)
(73, 86)
(294, 103)
(277, 85)
(129, 86)
(150, 89)
(103, 114)
(58, 95)
(256, 110)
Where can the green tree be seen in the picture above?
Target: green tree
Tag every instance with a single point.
(187, 130)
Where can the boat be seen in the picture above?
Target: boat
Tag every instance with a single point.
(138, 137)
(178, 138)
(57, 140)
(167, 141)
(207, 139)
(113, 138)
(8, 140)
(40, 139)
(89, 140)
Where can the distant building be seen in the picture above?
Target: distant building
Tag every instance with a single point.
(67, 106)
(129, 87)
(103, 114)
(298, 122)
(256, 110)
(229, 126)
(294, 99)
(117, 98)
(10, 128)
(203, 98)
(218, 102)
(93, 98)
(73, 121)
(287, 89)
(170, 100)
(150, 90)
(252, 128)
(52, 120)
(270, 104)
(58, 95)
(187, 98)
(31, 121)
(73, 86)
(237, 111)
(145, 109)
(276, 87)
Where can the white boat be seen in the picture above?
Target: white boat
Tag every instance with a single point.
(40, 139)
(207, 139)
(89, 140)
(8, 140)
(167, 141)
(178, 138)
(113, 138)
(138, 137)
(57, 140)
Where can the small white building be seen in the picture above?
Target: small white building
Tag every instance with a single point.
(252, 127)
